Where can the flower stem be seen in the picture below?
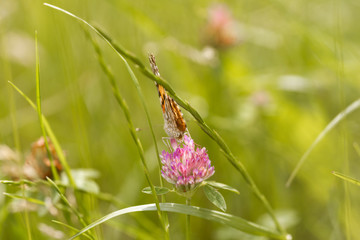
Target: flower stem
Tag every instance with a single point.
(187, 232)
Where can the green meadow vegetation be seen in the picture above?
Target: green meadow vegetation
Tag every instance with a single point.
(269, 90)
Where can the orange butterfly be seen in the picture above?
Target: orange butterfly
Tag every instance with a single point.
(174, 123)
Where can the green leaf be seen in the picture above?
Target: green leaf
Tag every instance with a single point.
(215, 197)
(211, 215)
(222, 186)
(83, 180)
(158, 190)
(347, 178)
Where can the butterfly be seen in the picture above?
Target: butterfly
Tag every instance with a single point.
(174, 123)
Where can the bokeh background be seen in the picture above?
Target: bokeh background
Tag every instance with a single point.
(267, 75)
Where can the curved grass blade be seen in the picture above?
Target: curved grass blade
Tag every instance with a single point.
(29, 199)
(212, 133)
(347, 178)
(352, 107)
(70, 227)
(51, 135)
(20, 182)
(36, 201)
(211, 215)
(67, 203)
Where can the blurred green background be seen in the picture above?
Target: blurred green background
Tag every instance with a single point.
(269, 81)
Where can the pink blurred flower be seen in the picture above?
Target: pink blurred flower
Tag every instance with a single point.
(221, 30)
(186, 166)
(38, 164)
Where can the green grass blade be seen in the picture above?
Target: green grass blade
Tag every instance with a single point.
(357, 148)
(14, 120)
(20, 182)
(32, 200)
(26, 213)
(38, 104)
(67, 203)
(347, 178)
(352, 107)
(51, 135)
(211, 215)
(70, 227)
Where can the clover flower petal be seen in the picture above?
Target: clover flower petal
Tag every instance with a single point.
(186, 166)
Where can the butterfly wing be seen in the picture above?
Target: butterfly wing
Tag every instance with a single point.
(174, 123)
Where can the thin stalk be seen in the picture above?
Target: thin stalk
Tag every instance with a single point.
(27, 222)
(67, 203)
(71, 228)
(7, 74)
(357, 148)
(14, 121)
(347, 178)
(187, 230)
(38, 103)
(28, 199)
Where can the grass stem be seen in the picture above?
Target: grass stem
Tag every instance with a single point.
(187, 231)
